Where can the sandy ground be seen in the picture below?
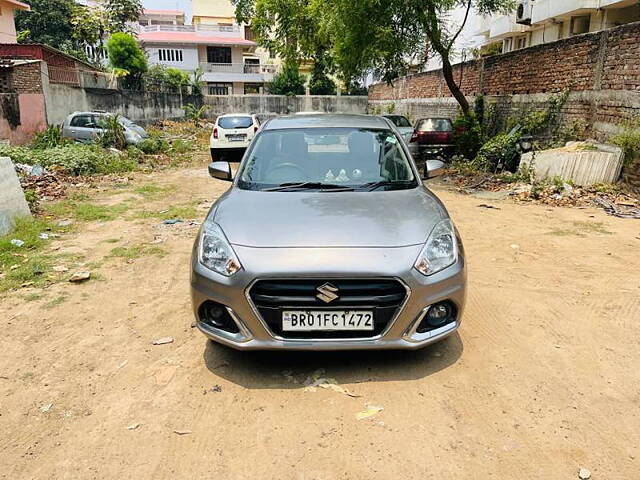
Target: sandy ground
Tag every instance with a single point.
(542, 379)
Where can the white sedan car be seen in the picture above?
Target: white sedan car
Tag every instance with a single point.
(232, 133)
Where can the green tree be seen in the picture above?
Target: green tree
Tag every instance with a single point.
(126, 54)
(48, 22)
(120, 12)
(288, 81)
(320, 83)
(385, 36)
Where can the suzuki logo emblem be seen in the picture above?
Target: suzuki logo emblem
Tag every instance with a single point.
(327, 293)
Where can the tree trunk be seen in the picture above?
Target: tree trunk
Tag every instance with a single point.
(447, 72)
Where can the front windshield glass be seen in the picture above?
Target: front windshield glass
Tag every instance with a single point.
(319, 158)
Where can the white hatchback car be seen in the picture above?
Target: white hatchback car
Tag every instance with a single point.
(232, 133)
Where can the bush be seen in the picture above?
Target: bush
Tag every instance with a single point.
(288, 81)
(629, 140)
(153, 144)
(112, 132)
(320, 83)
(74, 159)
(499, 152)
(126, 54)
(51, 137)
(467, 136)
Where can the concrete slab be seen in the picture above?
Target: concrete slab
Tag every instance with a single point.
(12, 201)
(575, 163)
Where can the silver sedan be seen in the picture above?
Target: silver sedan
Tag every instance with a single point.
(327, 239)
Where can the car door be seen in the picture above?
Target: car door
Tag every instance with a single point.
(83, 128)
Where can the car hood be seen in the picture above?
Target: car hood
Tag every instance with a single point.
(328, 219)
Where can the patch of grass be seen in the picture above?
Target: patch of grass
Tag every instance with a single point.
(55, 302)
(182, 212)
(86, 212)
(25, 264)
(581, 229)
(137, 251)
(152, 191)
(32, 297)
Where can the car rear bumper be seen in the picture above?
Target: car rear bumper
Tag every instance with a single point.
(254, 333)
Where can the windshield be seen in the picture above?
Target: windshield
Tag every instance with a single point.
(399, 121)
(323, 158)
(434, 125)
(235, 122)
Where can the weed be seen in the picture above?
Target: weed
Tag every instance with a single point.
(32, 297)
(111, 240)
(50, 137)
(151, 190)
(55, 302)
(137, 251)
(176, 211)
(86, 212)
(25, 264)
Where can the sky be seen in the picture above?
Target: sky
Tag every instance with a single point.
(184, 5)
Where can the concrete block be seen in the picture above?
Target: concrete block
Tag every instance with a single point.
(12, 201)
(583, 167)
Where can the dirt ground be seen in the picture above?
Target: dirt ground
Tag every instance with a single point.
(542, 379)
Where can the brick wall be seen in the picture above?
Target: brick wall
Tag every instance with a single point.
(27, 78)
(603, 60)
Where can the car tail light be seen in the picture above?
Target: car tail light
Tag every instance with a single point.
(215, 133)
(414, 137)
(255, 129)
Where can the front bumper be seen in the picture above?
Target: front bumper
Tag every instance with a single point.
(327, 264)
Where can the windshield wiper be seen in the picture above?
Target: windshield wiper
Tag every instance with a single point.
(308, 186)
(386, 183)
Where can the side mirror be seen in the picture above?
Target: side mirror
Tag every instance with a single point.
(433, 169)
(220, 170)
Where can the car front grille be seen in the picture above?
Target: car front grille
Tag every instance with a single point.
(384, 297)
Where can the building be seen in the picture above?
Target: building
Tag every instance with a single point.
(541, 21)
(7, 23)
(215, 43)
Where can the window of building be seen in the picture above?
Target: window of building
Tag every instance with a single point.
(521, 43)
(252, 88)
(580, 24)
(251, 65)
(219, 54)
(220, 88)
(170, 55)
(248, 33)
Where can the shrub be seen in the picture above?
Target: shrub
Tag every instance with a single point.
(467, 136)
(288, 81)
(153, 144)
(194, 113)
(629, 140)
(74, 159)
(112, 132)
(51, 137)
(499, 152)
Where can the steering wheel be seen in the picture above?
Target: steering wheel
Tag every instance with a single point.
(286, 172)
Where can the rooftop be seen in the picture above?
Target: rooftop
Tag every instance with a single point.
(168, 13)
(195, 37)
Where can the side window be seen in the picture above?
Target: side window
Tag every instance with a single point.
(82, 121)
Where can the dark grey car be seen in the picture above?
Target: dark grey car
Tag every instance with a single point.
(327, 239)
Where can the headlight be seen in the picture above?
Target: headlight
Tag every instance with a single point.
(440, 251)
(215, 251)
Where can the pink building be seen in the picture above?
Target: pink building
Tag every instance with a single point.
(7, 24)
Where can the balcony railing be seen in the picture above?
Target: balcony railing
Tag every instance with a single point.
(250, 68)
(191, 28)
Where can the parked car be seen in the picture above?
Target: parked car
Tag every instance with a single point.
(327, 239)
(86, 127)
(232, 133)
(403, 125)
(432, 138)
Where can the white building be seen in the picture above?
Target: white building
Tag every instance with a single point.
(541, 21)
(223, 50)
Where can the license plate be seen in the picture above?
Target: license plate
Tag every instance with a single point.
(236, 138)
(326, 320)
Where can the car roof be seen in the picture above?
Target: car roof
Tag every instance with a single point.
(326, 120)
(236, 115)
